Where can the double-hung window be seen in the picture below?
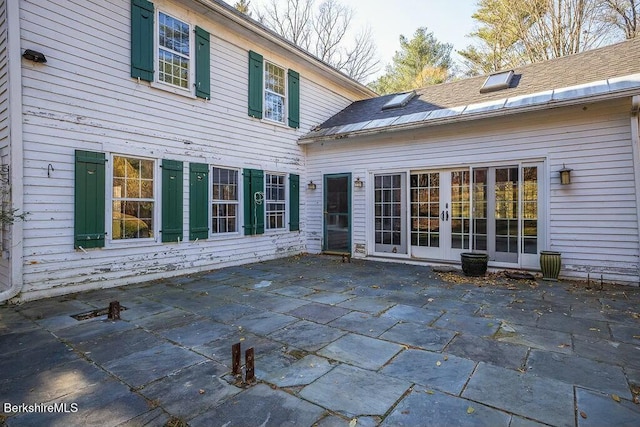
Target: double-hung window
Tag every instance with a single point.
(174, 51)
(275, 199)
(168, 50)
(224, 202)
(133, 198)
(274, 93)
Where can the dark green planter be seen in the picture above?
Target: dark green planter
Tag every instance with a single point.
(474, 264)
(550, 265)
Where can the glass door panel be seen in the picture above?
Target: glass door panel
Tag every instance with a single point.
(460, 213)
(337, 223)
(389, 213)
(506, 214)
(425, 214)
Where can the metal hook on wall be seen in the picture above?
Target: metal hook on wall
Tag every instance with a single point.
(49, 170)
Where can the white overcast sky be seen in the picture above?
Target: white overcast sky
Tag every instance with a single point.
(449, 20)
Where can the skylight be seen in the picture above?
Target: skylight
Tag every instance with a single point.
(399, 100)
(497, 81)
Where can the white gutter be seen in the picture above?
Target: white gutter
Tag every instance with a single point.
(16, 151)
(255, 27)
(497, 108)
(635, 145)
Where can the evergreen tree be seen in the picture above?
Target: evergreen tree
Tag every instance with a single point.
(422, 61)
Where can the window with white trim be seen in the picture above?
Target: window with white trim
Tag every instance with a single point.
(133, 198)
(274, 92)
(174, 51)
(224, 201)
(275, 200)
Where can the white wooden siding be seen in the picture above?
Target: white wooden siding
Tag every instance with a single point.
(5, 272)
(83, 98)
(592, 222)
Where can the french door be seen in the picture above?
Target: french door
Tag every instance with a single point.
(490, 209)
(440, 214)
(337, 213)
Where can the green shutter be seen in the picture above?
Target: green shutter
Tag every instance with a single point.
(256, 73)
(142, 40)
(203, 64)
(172, 183)
(294, 202)
(294, 98)
(253, 212)
(198, 201)
(89, 200)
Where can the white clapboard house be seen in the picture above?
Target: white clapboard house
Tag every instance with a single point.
(159, 138)
(148, 139)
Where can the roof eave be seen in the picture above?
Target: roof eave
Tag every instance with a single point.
(253, 26)
(472, 116)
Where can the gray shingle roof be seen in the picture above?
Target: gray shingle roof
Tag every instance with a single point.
(621, 59)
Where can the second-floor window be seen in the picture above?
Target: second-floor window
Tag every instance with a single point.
(174, 51)
(274, 92)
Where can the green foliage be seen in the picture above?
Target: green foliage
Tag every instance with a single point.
(422, 61)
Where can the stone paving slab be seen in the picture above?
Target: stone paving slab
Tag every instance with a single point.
(197, 333)
(260, 406)
(363, 323)
(365, 352)
(417, 335)
(408, 313)
(436, 409)
(353, 391)
(191, 391)
(307, 335)
(319, 313)
(102, 349)
(265, 322)
(597, 410)
(579, 371)
(371, 305)
(543, 399)
(488, 350)
(443, 372)
(472, 325)
(148, 365)
(544, 339)
(607, 351)
(300, 373)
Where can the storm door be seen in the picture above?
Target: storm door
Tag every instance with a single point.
(337, 213)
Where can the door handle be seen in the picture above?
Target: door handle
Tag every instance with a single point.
(447, 215)
(442, 215)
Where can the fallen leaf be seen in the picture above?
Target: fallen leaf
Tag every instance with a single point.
(201, 391)
(583, 415)
(470, 410)
(429, 391)
(615, 397)
(594, 329)
(353, 422)
(637, 337)
(438, 363)
(446, 358)
(375, 286)
(564, 345)
(430, 300)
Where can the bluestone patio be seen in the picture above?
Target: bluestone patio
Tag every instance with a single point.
(364, 343)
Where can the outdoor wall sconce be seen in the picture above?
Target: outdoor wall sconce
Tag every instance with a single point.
(357, 183)
(311, 185)
(34, 56)
(565, 175)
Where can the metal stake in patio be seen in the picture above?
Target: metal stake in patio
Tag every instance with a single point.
(235, 360)
(249, 361)
(114, 311)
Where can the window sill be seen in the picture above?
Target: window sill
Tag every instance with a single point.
(172, 89)
(278, 124)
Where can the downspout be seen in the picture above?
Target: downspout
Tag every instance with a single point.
(635, 144)
(14, 76)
